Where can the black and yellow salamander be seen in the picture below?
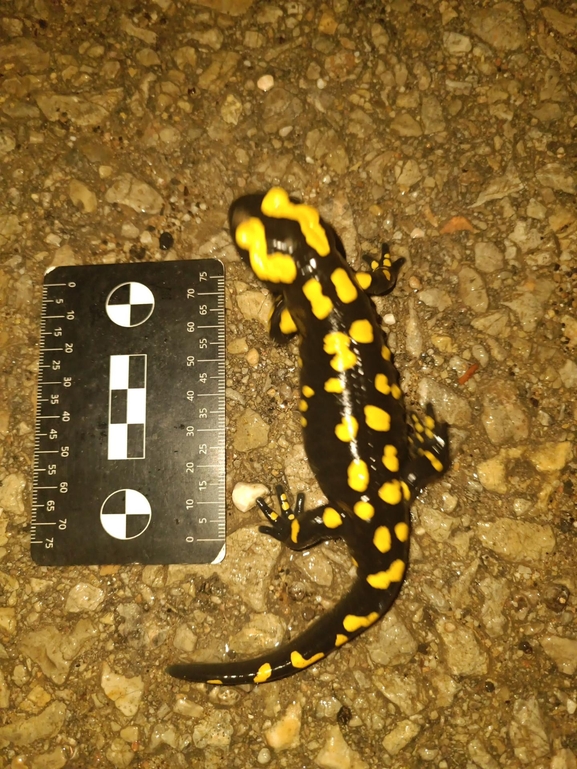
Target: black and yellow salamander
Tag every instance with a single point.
(367, 461)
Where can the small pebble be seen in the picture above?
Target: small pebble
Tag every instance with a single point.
(84, 597)
(415, 283)
(252, 357)
(265, 83)
(123, 691)
(285, 733)
(166, 241)
(264, 756)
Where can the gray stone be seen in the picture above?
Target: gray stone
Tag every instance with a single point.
(517, 541)
(129, 191)
(557, 177)
(251, 431)
(501, 26)
(24, 731)
(25, 55)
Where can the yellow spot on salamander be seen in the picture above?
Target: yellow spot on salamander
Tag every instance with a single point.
(358, 475)
(298, 661)
(417, 424)
(276, 268)
(344, 286)
(303, 405)
(362, 331)
(352, 622)
(347, 429)
(382, 539)
(321, 305)
(341, 639)
(429, 422)
(390, 459)
(437, 465)
(263, 673)
(364, 279)
(286, 323)
(337, 344)
(391, 492)
(331, 518)
(364, 510)
(377, 419)
(382, 384)
(304, 422)
(334, 385)
(402, 531)
(385, 352)
(276, 203)
(382, 579)
(406, 491)
(308, 392)
(214, 681)
(295, 528)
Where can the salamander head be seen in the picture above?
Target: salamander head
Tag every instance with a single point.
(278, 237)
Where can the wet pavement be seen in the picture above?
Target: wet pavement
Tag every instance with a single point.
(446, 129)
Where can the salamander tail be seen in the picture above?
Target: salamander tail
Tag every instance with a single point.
(358, 610)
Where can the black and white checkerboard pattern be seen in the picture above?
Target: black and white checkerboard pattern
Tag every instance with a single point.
(127, 407)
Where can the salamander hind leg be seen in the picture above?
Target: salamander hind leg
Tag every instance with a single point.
(429, 443)
(301, 528)
(383, 275)
(282, 327)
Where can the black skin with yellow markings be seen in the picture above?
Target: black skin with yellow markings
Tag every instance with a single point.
(367, 461)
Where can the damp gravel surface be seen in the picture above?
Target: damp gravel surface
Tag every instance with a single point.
(446, 129)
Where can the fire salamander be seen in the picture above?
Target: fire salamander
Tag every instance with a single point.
(367, 461)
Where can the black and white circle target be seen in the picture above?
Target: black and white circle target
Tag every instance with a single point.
(130, 304)
(125, 514)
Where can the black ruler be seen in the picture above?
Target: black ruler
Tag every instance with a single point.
(130, 427)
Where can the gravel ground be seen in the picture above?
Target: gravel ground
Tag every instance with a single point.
(444, 128)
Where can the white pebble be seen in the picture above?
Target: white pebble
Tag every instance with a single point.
(264, 756)
(285, 733)
(244, 495)
(265, 83)
(84, 597)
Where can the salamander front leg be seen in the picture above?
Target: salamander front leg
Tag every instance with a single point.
(301, 528)
(430, 451)
(383, 275)
(282, 327)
